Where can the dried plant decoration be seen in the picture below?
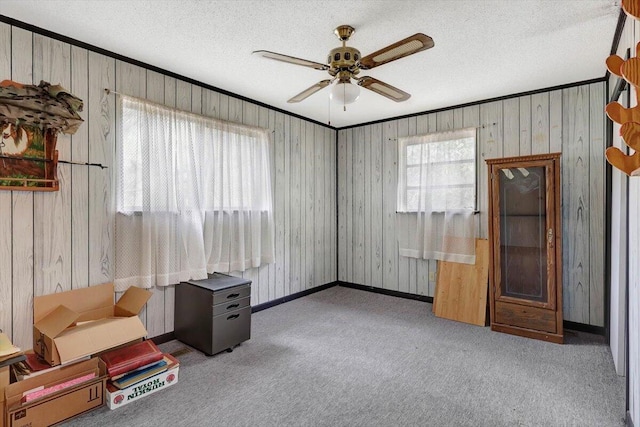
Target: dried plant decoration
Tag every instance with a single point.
(30, 119)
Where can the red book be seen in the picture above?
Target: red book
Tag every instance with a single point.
(36, 363)
(126, 359)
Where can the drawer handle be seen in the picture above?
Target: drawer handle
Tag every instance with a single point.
(229, 307)
(233, 316)
(233, 296)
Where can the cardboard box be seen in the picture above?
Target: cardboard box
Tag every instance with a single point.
(4, 382)
(74, 324)
(117, 398)
(61, 405)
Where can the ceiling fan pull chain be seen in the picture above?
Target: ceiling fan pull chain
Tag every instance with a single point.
(344, 95)
(329, 110)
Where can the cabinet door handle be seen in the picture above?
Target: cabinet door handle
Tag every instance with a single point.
(233, 296)
(229, 307)
(233, 316)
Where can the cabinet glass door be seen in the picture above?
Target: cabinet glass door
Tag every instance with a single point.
(525, 234)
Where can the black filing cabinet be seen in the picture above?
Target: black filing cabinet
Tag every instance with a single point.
(213, 314)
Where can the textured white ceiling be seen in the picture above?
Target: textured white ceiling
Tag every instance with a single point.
(483, 49)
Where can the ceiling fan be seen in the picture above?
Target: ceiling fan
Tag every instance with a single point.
(345, 63)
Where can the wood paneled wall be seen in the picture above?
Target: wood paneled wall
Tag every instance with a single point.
(625, 254)
(53, 242)
(570, 121)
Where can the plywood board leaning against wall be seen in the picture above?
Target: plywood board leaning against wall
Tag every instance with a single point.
(461, 289)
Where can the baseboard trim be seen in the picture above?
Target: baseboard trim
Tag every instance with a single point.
(389, 292)
(583, 327)
(278, 301)
(628, 420)
(574, 326)
(580, 327)
(161, 339)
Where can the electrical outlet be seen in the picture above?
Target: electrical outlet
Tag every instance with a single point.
(432, 276)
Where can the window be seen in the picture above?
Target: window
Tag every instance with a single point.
(440, 167)
(437, 196)
(193, 196)
(171, 159)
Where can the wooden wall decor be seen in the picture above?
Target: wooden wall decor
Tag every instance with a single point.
(30, 119)
(629, 118)
(632, 8)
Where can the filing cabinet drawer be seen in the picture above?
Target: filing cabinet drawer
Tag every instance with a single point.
(231, 328)
(235, 304)
(231, 294)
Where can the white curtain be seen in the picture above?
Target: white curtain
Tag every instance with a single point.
(193, 196)
(436, 196)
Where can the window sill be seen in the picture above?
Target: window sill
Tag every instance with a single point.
(139, 213)
(476, 212)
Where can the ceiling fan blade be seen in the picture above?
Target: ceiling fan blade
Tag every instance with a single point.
(310, 91)
(413, 44)
(384, 89)
(291, 59)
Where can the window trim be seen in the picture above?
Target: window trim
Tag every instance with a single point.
(435, 137)
(223, 126)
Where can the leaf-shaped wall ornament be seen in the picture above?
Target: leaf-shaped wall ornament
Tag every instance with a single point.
(629, 118)
(631, 8)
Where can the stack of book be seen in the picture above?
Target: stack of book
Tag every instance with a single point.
(137, 370)
(32, 366)
(134, 363)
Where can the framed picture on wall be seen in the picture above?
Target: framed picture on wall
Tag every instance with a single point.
(28, 158)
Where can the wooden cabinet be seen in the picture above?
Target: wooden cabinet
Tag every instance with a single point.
(525, 273)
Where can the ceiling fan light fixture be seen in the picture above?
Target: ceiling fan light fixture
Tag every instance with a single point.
(344, 63)
(345, 92)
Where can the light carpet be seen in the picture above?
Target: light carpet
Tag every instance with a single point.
(346, 357)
